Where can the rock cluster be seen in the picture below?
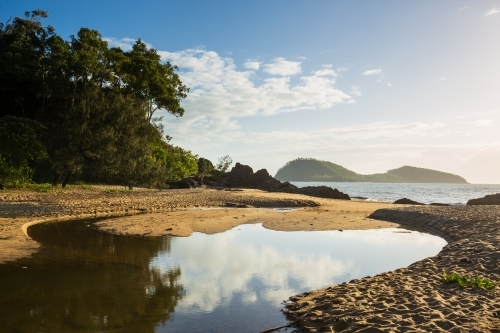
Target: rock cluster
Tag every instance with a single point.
(406, 201)
(490, 199)
(243, 176)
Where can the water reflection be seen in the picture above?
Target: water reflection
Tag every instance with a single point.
(86, 281)
(254, 269)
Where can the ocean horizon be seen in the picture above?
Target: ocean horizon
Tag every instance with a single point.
(452, 194)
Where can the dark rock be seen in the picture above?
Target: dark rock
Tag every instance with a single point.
(260, 177)
(406, 201)
(240, 175)
(190, 182)
(235, 205)
(324, 192)
(361, 198)
(439, 204)
(274, 185)
(490, 199)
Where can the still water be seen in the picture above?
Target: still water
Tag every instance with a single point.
(87, 281)
(452, 194)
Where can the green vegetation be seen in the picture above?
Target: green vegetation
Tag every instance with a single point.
(312, 170)
(466, 281)
(79, 109)
(115, 191)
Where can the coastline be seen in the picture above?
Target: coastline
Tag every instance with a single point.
(410, 299)
(154, 213)
(413, 299)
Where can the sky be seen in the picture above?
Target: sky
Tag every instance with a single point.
(370, 85)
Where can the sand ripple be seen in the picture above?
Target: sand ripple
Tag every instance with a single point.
(413, 299)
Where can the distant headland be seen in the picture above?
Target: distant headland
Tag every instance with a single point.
(312, 170)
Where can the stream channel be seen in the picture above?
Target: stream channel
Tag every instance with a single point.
(83, 280)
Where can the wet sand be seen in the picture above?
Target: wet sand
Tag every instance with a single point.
(414, 299)
(410, 299)
(174, 212)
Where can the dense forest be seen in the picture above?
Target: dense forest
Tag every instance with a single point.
(79, 109)
(312, 170)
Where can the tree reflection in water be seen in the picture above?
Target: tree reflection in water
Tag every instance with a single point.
(86, 281)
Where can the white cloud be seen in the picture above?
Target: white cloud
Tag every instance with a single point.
(464, 8)
(220, 93)
(441, 79)
(326, 71)
(373, 72)
(355, 91)
(253, 65)
(232, 261)
(342, 69)
(124, 43)
(481, 123)
(283, 67)
(492, 11)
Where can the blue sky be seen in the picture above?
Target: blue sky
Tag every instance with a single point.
(370, 85)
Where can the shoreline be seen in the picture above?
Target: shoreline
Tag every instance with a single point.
(413, 299)
(409, 299)
(154, 213)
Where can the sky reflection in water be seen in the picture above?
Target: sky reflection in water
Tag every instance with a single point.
(252, 269)
(87, 281)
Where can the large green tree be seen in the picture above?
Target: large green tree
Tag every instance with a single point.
(19, 145)
(97, 103)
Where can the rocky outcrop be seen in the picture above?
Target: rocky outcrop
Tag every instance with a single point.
(274, 185)
(406, 201)
(260, 177)
(490, 199)
(324, 192)
(240, 175)
(190, 182)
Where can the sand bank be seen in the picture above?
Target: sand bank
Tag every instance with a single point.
(173, 212)
(413, 299)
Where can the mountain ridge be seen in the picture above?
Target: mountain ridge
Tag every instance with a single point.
(313, 170)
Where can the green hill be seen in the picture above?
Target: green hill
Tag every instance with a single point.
(312, 170)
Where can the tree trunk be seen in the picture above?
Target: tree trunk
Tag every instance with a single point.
(57, 177)
(66, 179)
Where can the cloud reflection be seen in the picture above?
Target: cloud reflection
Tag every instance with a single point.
(250, 264)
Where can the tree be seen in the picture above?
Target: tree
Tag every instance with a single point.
(152, 82)
(205, 166)
(224, 163)
(20, 146)
(96, 103)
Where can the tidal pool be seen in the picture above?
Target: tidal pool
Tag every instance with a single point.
(83, 280)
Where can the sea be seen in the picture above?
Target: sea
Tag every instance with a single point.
(452, 194)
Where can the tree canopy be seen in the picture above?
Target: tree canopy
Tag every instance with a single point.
(96, 104)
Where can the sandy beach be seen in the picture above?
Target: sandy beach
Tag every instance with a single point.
(174, 212)
(413, 299)
(410, 299)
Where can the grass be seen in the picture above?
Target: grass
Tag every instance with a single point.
(44, 187)
(114, 191)
(466, 281)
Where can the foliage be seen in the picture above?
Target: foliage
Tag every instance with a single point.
(96, 103)
(466, 281)
(20, 145)
(309, 169)
(180, 163)
(205, 166)
(224, 163)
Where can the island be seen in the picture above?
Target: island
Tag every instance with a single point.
(313, 170)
